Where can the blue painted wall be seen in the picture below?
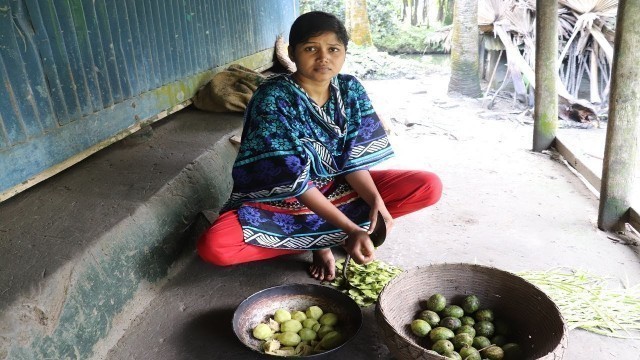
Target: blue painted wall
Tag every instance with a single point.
(76, 73)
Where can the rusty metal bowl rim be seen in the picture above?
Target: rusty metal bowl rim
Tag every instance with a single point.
(311, 288)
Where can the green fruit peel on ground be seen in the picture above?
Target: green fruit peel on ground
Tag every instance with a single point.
(367, 281)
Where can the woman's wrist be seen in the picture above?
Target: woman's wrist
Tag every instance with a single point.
(352, 230)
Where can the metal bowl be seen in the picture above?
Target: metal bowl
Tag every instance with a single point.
(260, 306)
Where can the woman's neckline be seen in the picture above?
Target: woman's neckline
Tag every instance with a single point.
(312, 94)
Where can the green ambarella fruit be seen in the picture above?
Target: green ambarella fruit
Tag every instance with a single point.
(431, 317)
(467, 329)
(316, 327)
(499, 340)
(451, 323)
(303, 349)
(314, 312)
(328, 319)
(461, 340)
(308, 323)
(436, 302)
(289, 338)
(453, 311)
(512, 351)
(324, 330)
(420, 327)
(441, 333)
(307, 334)
(298, 315)
(470, 353)
(452, 355)
(480, 342)
(281, 315)
(484, 328)
(484, 315)
(493, 353)
(470, 304)
(467, 320)
(442, 346)
(262, 331)
(331, 340)
(291, 326)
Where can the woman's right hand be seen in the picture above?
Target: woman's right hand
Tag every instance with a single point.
(360, 247)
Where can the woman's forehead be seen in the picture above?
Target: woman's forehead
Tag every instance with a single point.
(325, 37)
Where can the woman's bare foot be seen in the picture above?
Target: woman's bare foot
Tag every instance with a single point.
(323, 266)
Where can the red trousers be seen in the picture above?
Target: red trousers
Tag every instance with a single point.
(403, 192)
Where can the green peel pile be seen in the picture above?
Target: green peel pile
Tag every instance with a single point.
(366, 281)
(587, 303)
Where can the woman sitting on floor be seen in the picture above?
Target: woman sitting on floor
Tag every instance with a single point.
(302, 178)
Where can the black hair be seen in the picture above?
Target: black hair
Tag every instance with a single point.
(313, 24)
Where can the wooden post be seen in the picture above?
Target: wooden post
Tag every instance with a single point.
(482, 62)
(621, 147)
(546, 92)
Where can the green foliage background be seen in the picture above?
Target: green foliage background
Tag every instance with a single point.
(387, 30)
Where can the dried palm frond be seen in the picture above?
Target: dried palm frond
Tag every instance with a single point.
(587, 44)
(586, 29)
(490, 11)
(606, 8)
(521, 20)
(526, 4)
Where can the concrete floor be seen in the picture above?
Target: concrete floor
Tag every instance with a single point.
(502, 206)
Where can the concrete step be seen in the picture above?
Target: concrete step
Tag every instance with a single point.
(84, 252)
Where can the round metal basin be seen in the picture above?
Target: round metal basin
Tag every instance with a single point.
(260, 306)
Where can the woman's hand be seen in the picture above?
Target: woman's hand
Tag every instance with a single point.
(363, 184)
(360, 247)
(379, 207)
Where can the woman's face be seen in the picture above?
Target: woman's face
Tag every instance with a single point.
(320, 58)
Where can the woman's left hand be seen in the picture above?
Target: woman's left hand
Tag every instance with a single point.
(373, 216)
(363, 184)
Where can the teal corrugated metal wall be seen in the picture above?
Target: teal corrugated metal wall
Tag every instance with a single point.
(76, 73)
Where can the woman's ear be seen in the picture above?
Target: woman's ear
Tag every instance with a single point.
(291, 53)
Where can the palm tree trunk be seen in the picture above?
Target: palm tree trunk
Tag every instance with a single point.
(546, 91)
(621, 146)
(425, 12)
(464, 49)
(357, 22)
(405, 6)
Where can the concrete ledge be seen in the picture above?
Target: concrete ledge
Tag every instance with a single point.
(78, 248)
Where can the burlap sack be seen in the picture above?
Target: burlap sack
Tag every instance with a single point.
(229, 90)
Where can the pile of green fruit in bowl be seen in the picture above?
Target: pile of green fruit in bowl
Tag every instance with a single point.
(297, 320)
(464, 331)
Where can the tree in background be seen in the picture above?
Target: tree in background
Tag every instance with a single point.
(334, 7)
(464, 49)
(357, 22)
(445, 11)
(415, 12)
(390, 23)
